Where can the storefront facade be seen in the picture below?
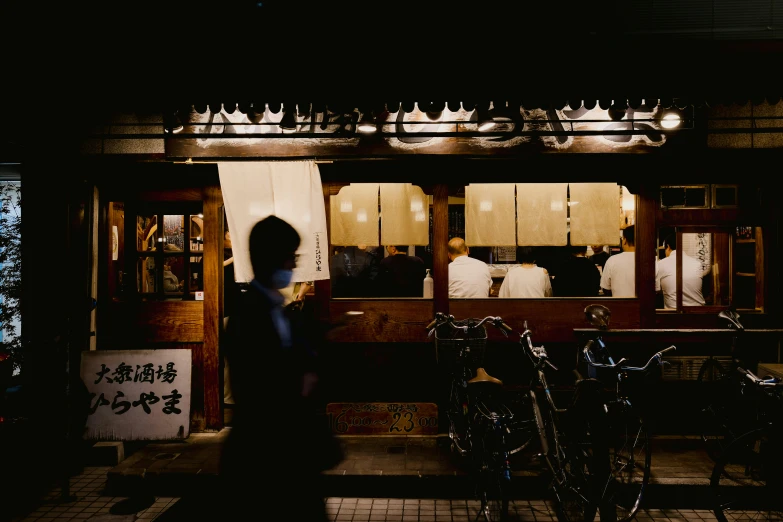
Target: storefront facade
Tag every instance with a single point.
(700, 178)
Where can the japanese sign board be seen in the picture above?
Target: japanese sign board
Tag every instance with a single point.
(137, 394)
(382, 418)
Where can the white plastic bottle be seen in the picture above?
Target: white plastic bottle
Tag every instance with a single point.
(429, 286)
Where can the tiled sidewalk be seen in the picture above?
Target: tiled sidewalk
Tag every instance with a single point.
(91, 505)
(417, 479)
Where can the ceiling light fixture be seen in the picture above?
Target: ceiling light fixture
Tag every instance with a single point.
(288, 121)
(367, 122)
(171, 123)
(671, 120)
(485, 121)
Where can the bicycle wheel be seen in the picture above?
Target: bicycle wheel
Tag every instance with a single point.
(626, 446)
(493, 475)
(571, 463)
(713, 384)
(746, 482)
(457, 417)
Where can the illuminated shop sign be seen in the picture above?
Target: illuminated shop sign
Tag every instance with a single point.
(320, 134)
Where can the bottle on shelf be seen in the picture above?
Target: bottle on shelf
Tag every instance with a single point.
(429, 286)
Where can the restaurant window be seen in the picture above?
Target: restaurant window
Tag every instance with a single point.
(721, 267)
(380, 241)
(165, 261)
(557, 224)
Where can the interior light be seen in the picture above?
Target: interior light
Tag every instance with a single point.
(628, 200)
(416, 205)
(288, 121)
(361, 216)
(485, 121)
(419, 216)
(671, 120)
(556, 205)
(485, 206)
(346, 206)
(367, 123)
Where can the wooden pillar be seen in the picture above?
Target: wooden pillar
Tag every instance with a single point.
(646, 253)
(440, 238)
(213, 272)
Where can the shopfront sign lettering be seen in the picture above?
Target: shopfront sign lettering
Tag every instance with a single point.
(382, 418)
(137, 394)
(454, 133)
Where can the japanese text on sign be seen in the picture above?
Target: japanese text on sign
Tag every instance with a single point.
(137, 394)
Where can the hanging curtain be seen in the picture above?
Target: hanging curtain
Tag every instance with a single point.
(354, 215)
(595, 213)
(490, 214)
(405, 215)
(290, 190)
(542, 214)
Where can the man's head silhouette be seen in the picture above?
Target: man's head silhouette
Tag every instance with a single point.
(273, 243)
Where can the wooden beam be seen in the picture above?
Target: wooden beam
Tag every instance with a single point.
(440, 238)
(213, 271)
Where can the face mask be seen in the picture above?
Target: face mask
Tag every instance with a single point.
(282, 278)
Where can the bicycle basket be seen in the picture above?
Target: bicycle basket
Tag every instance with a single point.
(449, 342)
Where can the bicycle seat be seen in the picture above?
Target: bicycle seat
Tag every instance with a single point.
(732, 317)
(483, 376)
(598, 315)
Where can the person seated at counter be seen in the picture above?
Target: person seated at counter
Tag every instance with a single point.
(666, 277)
(579, 276)
(527, 280)
(618, 278)
(354, 270)
(599, 256)
(401, 275)
(468, 277)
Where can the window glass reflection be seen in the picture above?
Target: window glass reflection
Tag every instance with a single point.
(705, 261)
(146, 232)
(174, 233)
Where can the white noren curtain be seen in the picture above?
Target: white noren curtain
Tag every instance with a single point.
(290, 190)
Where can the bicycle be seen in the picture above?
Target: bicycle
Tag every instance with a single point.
(719, 385)
(746, 481)
(626, 442)
(567, 438)
(480, 422)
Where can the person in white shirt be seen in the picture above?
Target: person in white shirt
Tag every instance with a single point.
(618, 278)
(468, 277)
(528, 280)
(666, 277)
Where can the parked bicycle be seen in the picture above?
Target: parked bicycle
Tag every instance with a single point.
(719, 385)
(480, 421)
(567, 437)
(626, 441)
(746, 481)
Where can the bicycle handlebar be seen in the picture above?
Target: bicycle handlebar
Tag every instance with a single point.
(758, 381)
(539, 352)
(441, 318)
(617, 366)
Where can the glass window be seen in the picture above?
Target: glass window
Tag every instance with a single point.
(720, 268)
(564, 234)
(381, 240)
(168, 261)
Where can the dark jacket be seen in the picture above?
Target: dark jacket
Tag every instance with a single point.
(599, 258)
(401, 276)
(578, 277)
(274, 427)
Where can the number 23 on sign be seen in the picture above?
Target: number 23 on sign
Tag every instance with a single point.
(382, 418)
